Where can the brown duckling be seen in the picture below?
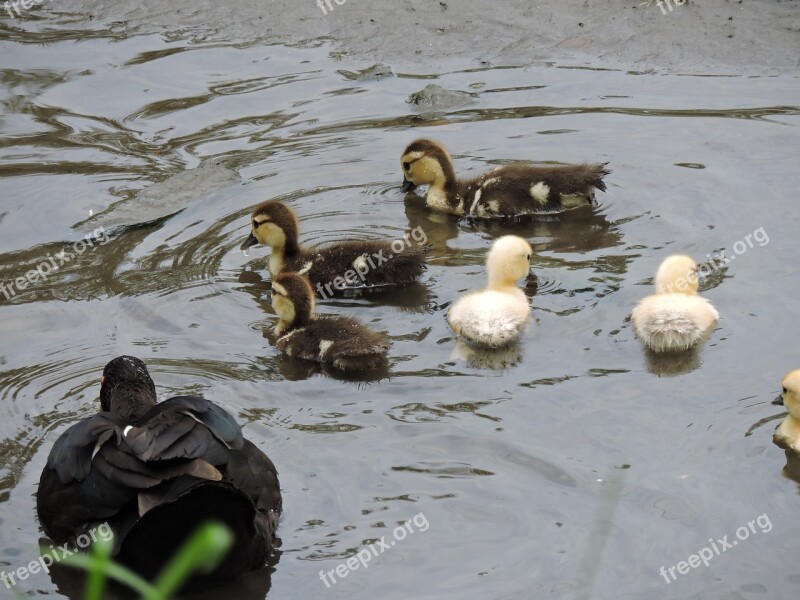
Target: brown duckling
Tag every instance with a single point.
(336, 267)
(154, 472)
(339, 342)
(516, 190)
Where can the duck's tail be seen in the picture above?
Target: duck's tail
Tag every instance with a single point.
(595, 175)
(176, 511)
(673, 334)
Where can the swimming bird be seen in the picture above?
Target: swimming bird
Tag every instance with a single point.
(154, 472)
(787, 435)
(675, 318)
(336, 341)
(495, 316)
(340, 266)
(516, 190)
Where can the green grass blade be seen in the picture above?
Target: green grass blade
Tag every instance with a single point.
(112, 571)
(203, 552)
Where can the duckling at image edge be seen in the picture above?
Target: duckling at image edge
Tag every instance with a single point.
(675, 318)
(154, 472)
(336, 267)
(496, 316)
(340, 342)
(516, 190)
(787, 435)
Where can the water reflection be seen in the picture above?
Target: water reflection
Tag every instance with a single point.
(485, 358)
(583, 229)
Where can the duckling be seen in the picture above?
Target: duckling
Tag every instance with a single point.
(154, 472)
(349, 265)
(339, 342)
(516, 190)
(787, 435)
(675, 318)
(495, 317)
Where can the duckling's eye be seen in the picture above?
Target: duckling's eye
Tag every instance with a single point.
(407, 166)
(785, 390)
(255, 224)
(528, 256)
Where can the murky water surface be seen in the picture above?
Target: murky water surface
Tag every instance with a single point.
(576, 473)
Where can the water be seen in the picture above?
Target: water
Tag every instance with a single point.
(577, 473)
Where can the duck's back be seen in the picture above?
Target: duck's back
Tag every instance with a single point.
(147, 477)
(490, 318)
(520, 190)
(342, 342)
(354, 264)
(673, 322)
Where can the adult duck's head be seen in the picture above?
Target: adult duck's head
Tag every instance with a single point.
(677, 275)
(425, 162)
(790, 394)
(508, 261)
(275, 225)
(126, 388)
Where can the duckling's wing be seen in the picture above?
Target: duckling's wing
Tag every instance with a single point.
(347, 344)
(357, 346)
(365, 263)
(519, 190)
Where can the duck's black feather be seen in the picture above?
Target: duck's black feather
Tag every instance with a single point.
(71, 456)
(179, 463)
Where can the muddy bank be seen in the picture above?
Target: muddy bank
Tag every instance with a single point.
(708, 36)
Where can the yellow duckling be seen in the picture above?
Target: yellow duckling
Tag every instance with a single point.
(495, 317)
(787, 435)
(675, 318)
(517, 190)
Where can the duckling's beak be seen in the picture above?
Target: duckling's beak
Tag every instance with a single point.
(249, 242)
(407, 186)
(778, 400)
